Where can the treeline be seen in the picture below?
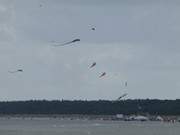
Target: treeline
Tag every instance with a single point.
(100, 107)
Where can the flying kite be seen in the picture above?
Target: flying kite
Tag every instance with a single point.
(93, 64)
(125, 84)
(103, 74)
(18, 70)
(119, 98)
(73, 41)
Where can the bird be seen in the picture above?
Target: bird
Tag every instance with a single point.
(93, 64)
(103, 74)
(73, 41)
(18, 70)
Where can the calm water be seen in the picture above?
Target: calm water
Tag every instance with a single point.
(48, 126)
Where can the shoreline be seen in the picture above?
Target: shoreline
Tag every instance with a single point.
(93, 117)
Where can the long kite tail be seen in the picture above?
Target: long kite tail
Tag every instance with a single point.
(63, 44)
(12, 71)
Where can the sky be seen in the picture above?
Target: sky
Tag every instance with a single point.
(134, 41)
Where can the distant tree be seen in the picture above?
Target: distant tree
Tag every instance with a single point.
(100, 107)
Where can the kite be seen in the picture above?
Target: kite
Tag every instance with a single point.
(119, 98)
(103, 74)
(125, 84)
(73, 41)
(19, 70)
(93, 64)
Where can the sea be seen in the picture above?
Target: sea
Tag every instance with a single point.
(55, 126)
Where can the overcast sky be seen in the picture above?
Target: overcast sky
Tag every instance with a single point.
(137, 42)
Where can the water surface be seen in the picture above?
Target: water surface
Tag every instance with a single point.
(50, 126)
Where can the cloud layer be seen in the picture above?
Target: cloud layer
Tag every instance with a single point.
(134, 42)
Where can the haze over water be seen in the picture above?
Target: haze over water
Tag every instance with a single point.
(47, 126)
